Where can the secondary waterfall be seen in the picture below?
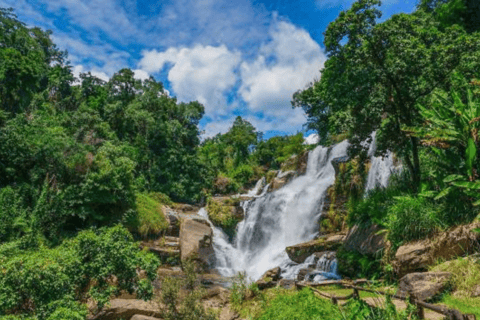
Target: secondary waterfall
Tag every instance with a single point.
(381, 167)
(278, 219)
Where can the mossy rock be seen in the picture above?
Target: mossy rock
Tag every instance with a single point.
(225, 213)
(149, 218)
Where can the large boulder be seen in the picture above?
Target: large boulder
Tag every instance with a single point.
(418, 255)
(126, 309)
(423, 285)
(196, 243)
(301, 251)
(367, 241)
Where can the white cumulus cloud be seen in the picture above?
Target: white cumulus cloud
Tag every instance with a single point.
(202, 73)
(286, 64)
(140, 74)
(81, 69)
(312, 139)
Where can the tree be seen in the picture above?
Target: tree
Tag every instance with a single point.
(377, 73)
(242, 135)
(27, 57)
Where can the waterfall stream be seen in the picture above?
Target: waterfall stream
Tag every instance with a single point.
(288, 216)
(381, 167)
(278, 219)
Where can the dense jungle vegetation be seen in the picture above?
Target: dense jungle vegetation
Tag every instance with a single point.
(414, 80)
(84, 163)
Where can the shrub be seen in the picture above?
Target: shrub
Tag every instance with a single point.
(42, 281)
(149, 217)
(14, 214)
(243, 174)
(353, 265)
(225, 185)
(184, 304)
(411, 218)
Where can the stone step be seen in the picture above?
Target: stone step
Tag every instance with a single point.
(172, 239)
(172, 244)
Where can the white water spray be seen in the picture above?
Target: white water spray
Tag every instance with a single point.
(279, 219)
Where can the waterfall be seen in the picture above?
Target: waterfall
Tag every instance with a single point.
(381, 167)
(278, 219)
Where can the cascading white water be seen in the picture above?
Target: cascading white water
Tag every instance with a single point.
(279, 219)
(381, 167)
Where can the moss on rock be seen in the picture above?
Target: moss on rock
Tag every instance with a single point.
(225, 213)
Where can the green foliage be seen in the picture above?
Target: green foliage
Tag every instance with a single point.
(301, 305)
(412, 218)
(243, 174)
(241, 290)
(149, 218)
(304, 305)
(184, 304)
(377, 73)
(222, 214)
(352, 264)
(46, 281)
(452, 121)
(465, 275)
(466, 305)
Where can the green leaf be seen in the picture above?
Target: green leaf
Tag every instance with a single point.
(443, 193)
(453, 177)
(467, 184)
(427, 194)
(470, 155)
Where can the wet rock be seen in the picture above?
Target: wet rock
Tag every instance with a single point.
(367, 241)
(269, 278)
(423, 285)
(126, 309)
(297, 163)
(281, 179)
(300, 252)
(173, 229)
(273, 273)
(418, 255)
(303, 273)
(286, 284)
(196, 243)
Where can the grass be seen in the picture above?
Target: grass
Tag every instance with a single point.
(466, 305)
(280, 303)
(150, 218)
(341, 292)
(466, 275)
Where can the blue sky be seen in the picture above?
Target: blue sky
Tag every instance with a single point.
(240, 57)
